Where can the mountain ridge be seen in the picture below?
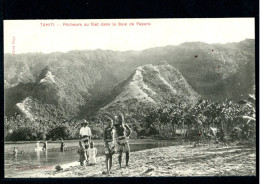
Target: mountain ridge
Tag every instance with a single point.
(141, 93)
(85, 79)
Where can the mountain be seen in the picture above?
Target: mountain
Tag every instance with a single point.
(78, 83)
(149, 87)
(34, 99)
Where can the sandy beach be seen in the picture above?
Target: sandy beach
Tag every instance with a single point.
(180, 160)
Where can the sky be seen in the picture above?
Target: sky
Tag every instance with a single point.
(23, 36)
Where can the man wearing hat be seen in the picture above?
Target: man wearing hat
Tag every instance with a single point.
(85, 132)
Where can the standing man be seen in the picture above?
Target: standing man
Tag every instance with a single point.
(62, 145)
(44, 147)
(85, 132)
(108, 137)
(122, 136)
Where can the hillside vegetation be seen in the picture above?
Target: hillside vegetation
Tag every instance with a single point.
(52, 89)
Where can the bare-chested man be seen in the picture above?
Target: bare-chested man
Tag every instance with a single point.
(121, 135)
(109, 142)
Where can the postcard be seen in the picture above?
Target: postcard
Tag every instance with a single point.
(129, 97)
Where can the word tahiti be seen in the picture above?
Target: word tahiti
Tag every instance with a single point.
(47, 24)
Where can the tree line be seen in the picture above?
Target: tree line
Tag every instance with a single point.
(236, 120)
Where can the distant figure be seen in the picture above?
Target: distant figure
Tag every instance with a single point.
(62, 145)
(121, 139)
(15, 151)
(82, 153)
(38, 148)
(38, 144)
(109, 141)
(85, 132)
(44, 146)
(92, 153)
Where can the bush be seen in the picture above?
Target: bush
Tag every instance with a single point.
(22, 134)
(97, 132)
(59, 132)
(133, 135)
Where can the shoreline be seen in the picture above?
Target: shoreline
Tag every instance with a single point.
(179, 160)
(28, 147)
(95, 140)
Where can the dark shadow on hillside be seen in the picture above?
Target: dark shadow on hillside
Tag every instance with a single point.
(100, 95)
(42, 92)
(15, 95)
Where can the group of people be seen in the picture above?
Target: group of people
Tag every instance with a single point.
(115, 136)
(86, 150)
(40, 148)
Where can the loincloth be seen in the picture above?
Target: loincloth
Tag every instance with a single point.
(122, 144)
(109, 148)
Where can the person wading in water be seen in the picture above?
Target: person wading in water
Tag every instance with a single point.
(109, 143)
(62, 145)
(122, 138)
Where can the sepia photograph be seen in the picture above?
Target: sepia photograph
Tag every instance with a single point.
(171, 97)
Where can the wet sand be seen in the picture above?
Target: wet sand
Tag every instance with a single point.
(181, 160)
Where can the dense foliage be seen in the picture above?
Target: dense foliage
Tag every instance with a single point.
(233, 121)
(18, 128)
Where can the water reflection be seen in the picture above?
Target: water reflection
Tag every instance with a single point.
(30, 158)
(46, 156)
(38, 156)
(15, 157)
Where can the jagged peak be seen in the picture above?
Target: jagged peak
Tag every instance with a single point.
(44, 72)
(139, 86)
(149, 87)
(46, 76)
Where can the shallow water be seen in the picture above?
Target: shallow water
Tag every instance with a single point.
(29, 161)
